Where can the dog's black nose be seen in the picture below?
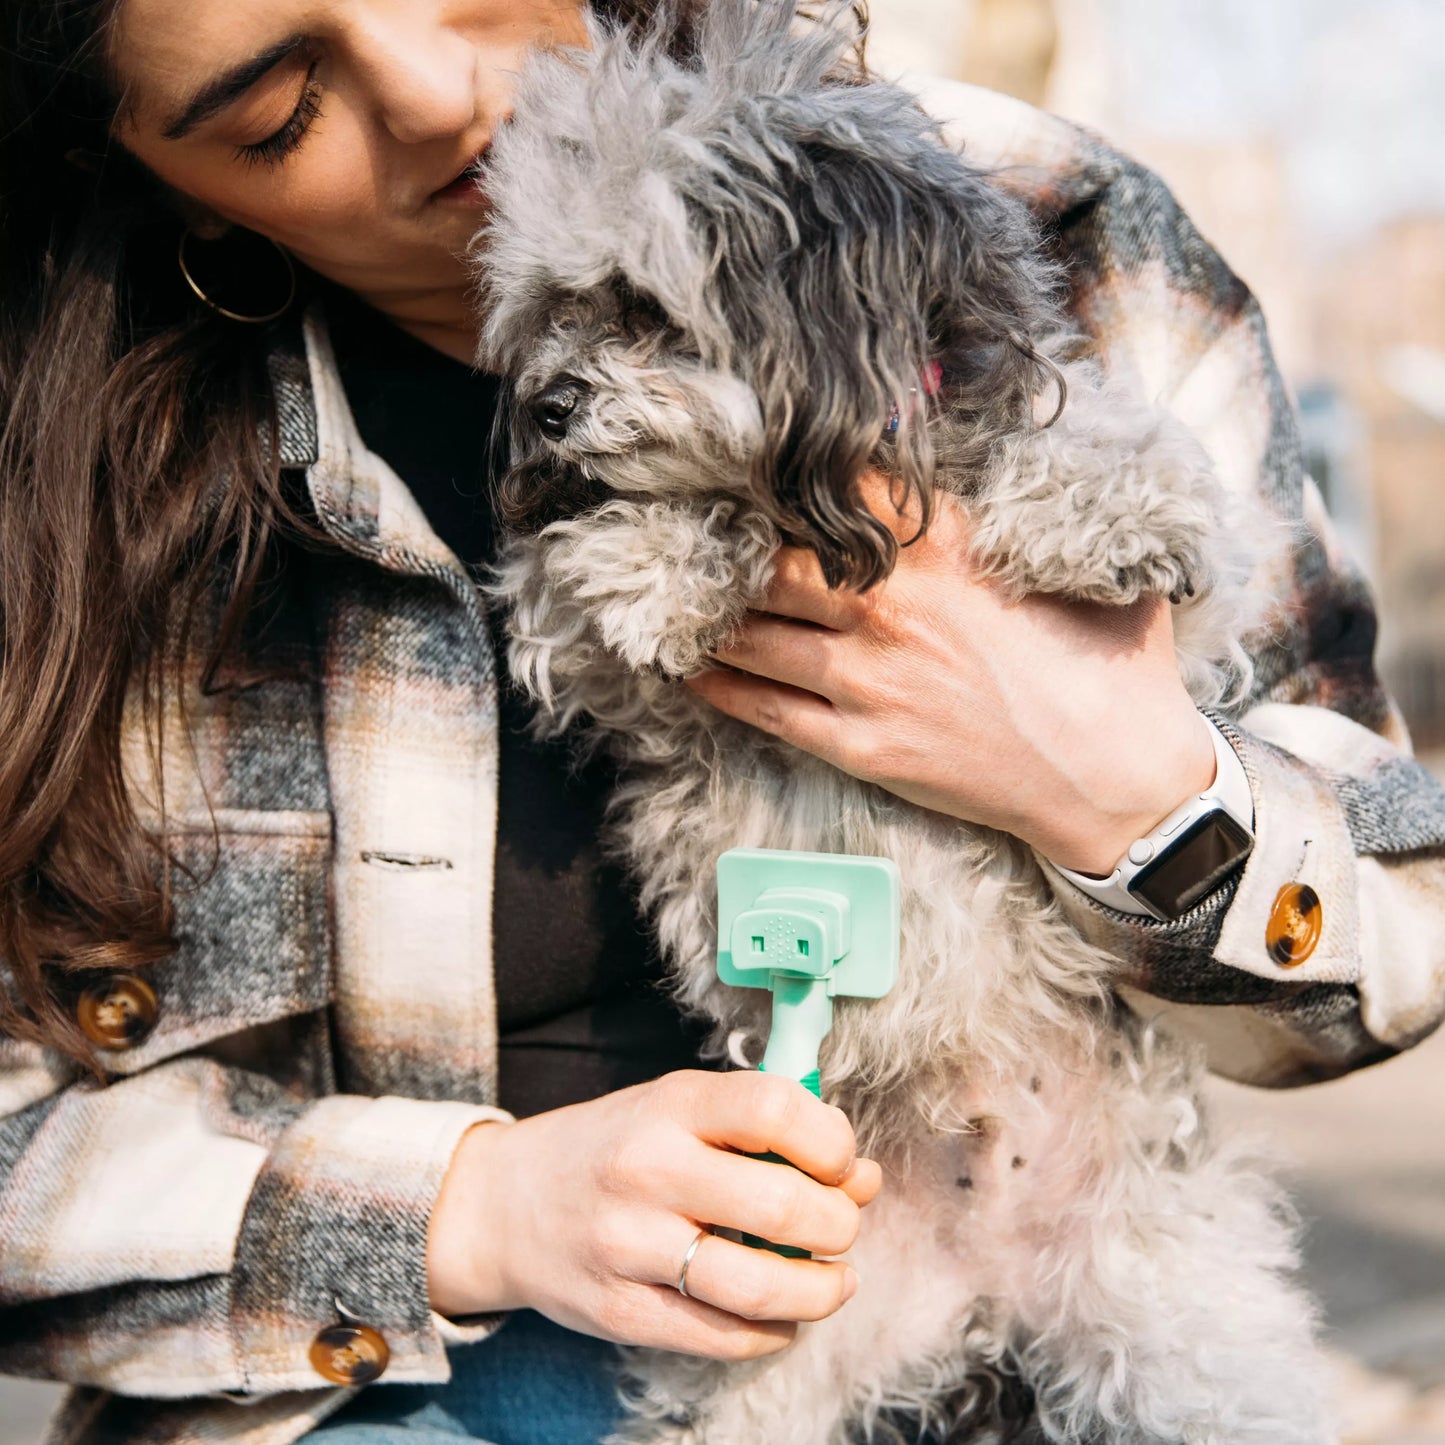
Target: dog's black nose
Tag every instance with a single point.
(554, 409)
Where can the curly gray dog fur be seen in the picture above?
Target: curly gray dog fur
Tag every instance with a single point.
(711, 278)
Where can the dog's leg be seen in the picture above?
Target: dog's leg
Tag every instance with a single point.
(1161, 1308)
(633, 588)
(1114, 502)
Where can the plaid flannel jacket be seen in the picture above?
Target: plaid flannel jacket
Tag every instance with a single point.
(173, 1242)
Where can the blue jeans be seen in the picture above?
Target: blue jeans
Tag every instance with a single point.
(531, 1383)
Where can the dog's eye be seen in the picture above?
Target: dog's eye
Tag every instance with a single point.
(555, 408)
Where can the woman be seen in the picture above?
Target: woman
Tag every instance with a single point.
(238, 616)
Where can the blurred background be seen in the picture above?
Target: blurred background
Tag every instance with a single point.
(1305, 138)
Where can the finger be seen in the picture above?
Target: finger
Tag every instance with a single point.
(758, 1113)
(863, 1182)
(799, 591)
(798, 588)
(899, 511)
(658, 1317)
(797, 653)
(756, 1284)
(946, 540)
(790, 713)
(762, 1197)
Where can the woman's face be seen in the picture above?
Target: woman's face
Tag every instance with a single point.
(338, 128)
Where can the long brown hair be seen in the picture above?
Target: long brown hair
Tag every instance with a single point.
(121, 405)
(123, 402)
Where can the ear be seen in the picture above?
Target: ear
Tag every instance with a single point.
(202, 222)
(893, 257)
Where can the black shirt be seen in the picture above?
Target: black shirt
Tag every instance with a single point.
(579, 1004)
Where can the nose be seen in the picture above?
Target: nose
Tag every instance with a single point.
(424, 74)
(555, 409)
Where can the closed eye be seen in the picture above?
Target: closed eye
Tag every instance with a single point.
(281, 143)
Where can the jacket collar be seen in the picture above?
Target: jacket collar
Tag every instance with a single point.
(1053, 165)
(360, 502)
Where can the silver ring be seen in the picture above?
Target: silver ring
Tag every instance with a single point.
(702, 1234)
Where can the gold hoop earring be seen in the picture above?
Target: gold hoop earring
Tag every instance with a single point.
(235, 270)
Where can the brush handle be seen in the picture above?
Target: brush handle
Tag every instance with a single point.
(802, 1019)
(810, 1083)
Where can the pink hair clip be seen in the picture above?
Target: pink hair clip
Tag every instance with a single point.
(932, 378)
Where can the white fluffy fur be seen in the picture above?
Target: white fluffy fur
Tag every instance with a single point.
(1058, 1207)
(1132, 1267)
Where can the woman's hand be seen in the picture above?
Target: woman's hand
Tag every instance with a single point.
(1063, 723)
(586, 1213)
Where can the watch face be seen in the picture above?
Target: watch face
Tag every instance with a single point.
(1195, 864)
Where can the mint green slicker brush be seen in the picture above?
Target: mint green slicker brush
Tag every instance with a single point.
(810, 927)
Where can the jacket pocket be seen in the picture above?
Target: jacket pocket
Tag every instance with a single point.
(253, 932)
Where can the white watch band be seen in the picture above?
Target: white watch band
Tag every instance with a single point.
(1229, 792)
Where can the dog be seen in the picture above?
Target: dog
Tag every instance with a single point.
(723, 288)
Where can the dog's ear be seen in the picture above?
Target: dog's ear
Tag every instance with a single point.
(887, 259)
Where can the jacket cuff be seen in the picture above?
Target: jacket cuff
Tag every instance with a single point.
(1302, 842)
(465, 1331)
(1138, 944)
(1303, 846)
(336, 1231)
(1276, 996)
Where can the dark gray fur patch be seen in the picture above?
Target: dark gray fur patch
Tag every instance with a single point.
(992, 1406)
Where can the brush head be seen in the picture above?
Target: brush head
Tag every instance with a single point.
(829, 917)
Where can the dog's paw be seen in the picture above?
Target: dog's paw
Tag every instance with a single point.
(1116, 502)
(1139, 556)
(1110, 548)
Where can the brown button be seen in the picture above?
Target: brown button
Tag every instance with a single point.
(1295, 924)
(118, 1012)
(349, 1355)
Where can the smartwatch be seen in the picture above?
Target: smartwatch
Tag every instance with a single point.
(1165, 873)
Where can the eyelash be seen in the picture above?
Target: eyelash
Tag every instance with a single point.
(275, 148)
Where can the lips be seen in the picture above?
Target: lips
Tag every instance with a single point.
(468, 185)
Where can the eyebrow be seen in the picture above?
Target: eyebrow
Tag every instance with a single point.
(217, 94)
